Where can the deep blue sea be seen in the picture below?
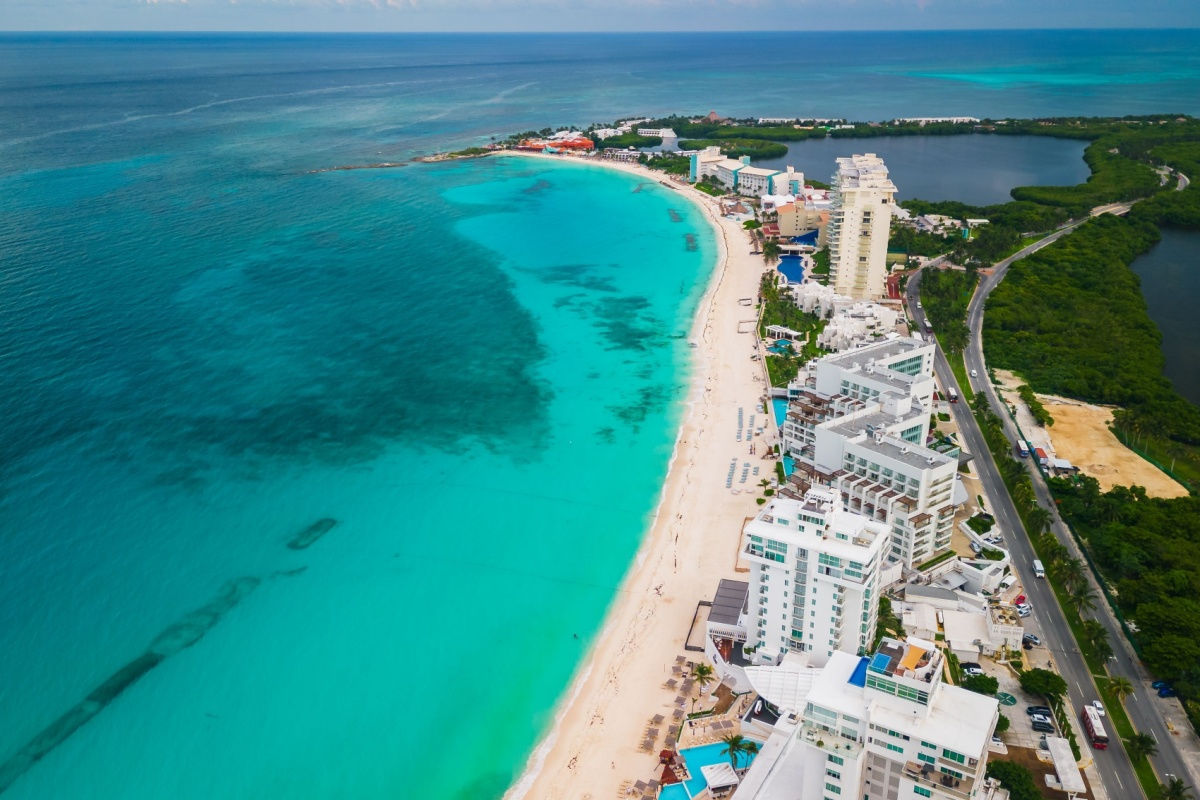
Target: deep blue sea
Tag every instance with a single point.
(473, 371)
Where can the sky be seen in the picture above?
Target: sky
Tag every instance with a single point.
(589, 15)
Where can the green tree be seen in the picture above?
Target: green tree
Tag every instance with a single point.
(981, 684)
(1071, 573)
(1016, 778)
(736, 745)
(1002, 724)
(703, 674)
(1043, 682)
(770, 251)
(1175, 789)
(1082, 598)
(1141, 746)
(1120, 686)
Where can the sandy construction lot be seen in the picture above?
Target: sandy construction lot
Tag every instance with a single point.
(1081, 435)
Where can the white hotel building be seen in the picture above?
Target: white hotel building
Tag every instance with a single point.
(863, 199)
(882, 727)
(857, 423)
(814, 578)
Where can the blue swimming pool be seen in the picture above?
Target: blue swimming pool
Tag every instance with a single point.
(702, 756)
(673, 792)
(780, 405)
(792, 268)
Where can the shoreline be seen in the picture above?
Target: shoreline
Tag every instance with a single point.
(592, 745)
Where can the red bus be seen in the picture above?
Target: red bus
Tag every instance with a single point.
(1094, 725)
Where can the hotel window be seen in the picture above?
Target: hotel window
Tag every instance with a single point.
(953, 756)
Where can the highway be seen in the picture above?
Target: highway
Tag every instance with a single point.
(1142, 707)
(1113, 764)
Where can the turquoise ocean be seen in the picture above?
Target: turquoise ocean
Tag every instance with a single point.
(468, 375)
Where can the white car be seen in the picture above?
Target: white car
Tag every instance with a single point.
(974, 373)
(1024, 610)
(1096, 704)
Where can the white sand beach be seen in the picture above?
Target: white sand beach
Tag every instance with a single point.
(595, 744)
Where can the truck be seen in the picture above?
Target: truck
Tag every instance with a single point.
(1039, 571)
(1042, 458)
(1022, 448)
(952, 393)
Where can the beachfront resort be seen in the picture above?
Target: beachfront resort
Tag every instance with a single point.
(828, 657)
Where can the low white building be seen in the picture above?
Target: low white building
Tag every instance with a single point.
(878, 727)
(664, 133)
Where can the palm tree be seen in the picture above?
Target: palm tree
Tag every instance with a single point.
(770, 251)
(703, 674)
(1141, 745)
(1175, 789)
(1120, 686)
(1083, 598)
(1071, 573)
(735, 745)
(1037, 520)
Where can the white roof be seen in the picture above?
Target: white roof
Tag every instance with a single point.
(954, 718)
(1064, 765)
(786, 686)
(719, 775)
(959, 494)
(963, 628)
(730, 164)
(760, 171)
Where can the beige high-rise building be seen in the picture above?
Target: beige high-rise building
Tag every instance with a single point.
(863, 197)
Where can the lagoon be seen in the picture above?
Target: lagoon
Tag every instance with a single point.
(1170, 275)
(980, 169)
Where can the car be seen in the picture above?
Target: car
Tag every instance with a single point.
(1024, 611)
(997, 741)
(1043, 744)
(1028, 645)
(1166, 691)
(1019, 600)
(1044, 727)
(974, 373)
(919, 304)
(1032, 638)
(970, 664)
(1041, 718)
(1159, 684)
(1096, 704)
(976, 548)
(971, 672)
(1045, 710)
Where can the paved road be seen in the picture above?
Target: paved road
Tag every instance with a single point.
(1143, 707)
(1116, 772)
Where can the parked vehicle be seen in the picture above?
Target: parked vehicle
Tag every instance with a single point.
(1166, 691)
(1032, 638)
(1019, 600)
(1044, 727)
(1028, 645)
(1024, 611)
(1041, 718)
(1159, 684)
(1031, 710)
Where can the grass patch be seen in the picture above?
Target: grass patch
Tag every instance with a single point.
(933, 562)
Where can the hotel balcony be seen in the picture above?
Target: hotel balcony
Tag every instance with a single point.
(926, 776)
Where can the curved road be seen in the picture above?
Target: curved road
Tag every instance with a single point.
(1113, 764)
(1142, 706)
